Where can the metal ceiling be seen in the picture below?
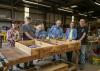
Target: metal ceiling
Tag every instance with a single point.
(83, 6)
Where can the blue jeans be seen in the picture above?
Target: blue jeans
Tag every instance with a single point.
(57, 57)
(82, 54)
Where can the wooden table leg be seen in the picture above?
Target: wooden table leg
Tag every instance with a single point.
(75, 59)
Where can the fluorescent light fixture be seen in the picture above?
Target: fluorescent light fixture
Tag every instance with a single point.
(66, 7)
(74, 6)
(97, 3)
(94, 17)
(90, 11)
(65, 10)
(82, 14)
(25, 1)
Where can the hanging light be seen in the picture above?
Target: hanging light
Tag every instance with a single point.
(65, 10)
(73, 6)
(82, 14)
(97, 3)
(90, 11)
(36, 3)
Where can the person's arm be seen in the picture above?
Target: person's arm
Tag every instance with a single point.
(43, 34)
(67, 34)
(83, 36)
(9, 37)
(17, 36)
(61, 33)
(29, 36)
(50, 32)
(26, 32)
(75, 34)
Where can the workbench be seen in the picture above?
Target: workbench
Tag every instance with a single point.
(16, 56)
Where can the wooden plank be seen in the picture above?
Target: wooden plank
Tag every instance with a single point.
(23, 47)
(45, 49)
(27, 42)
(42, 48)
(14, 55)
(62, 46)
(72, 45)
(59, 46)
(56, 67)
(48, 48)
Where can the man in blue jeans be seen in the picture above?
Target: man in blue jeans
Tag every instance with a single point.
(56, 32)
(82, 37)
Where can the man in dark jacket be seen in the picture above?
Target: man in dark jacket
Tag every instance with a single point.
(82, 37)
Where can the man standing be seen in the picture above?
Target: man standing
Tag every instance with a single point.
(40, 31)
(56, 32)
(71, 34)
(82, 37)
(13, 35)
(28, 30)
(28, 34)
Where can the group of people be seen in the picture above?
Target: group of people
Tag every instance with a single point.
(30, 32)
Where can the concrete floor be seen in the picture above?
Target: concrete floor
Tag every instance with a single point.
(91, 67)
(88, 66)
